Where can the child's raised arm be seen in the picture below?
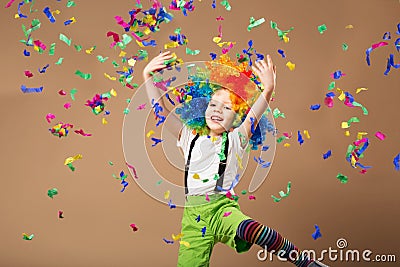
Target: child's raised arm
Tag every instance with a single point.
(174, 125)
(266, 71)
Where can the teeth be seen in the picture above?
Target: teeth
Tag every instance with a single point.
(216, 118)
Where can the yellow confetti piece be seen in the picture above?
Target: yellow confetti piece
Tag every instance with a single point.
(122, 54)
(36, 48)
(286, 145)
(90, 50)
(196, 176)
(307, 134)
(16, 16)
(110, 77)
(97, 109)
(149, 133)
(188, 98)
(186, 244)
(291, 65)
(349, 26)
(342, 95)
(166, 194)
(360, 135)
(345, 125)
(72, 159)
(177, 237)
(57, 12)
(239, 160)
(216, 39)
(347, 133)
(361, 89)
(104, 121)
(113, 92)
(73, 20)
(147, 31)
(353, 161)
(213, 138)
(139, 43)
(285, 39)
(131, 62)
(171, 45)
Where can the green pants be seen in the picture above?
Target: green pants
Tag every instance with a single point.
(196, 250)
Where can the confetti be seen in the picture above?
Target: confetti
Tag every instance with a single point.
(358, 90)
(156, 141)
(282, 53)
(283, 194)
(396, 161)
(9, 3)
(81, 132)
(49, 117)
(178, 236)
(380, 135)
(331, 85)
(337, 75)
(322, 28)
(67, 105)
(347, 124)
(24, 89)
(61, 129)
(277, 113)
(26, 53)
(226, 4)
(52, 49)
(299, 138)
(192, 52)
(251, 197)
(290, 65)
(49, 15)
(28, 74)
(342, 178)
(373, 47)
(345, 47)
(317, 233)
(60, 214)
(87, 76)
(315, 107)
(43, 70)
(70, 3)
(27, 237)
(72, 93)
(255, 23)
(59, 61)
(226, 214)
(168, 241)
(70, 21)
(166, 194)
(197, 218)
(52, 192)
(281, 34)
(171, 205)
(133, 169)
(101, 58)
(65, 39)
(203, 231)
(134, 227)
(327, 154)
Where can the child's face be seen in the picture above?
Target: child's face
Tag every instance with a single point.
(219, 113)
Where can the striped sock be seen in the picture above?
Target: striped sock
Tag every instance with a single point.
(269, 239)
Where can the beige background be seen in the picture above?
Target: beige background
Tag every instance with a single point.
(95, 230)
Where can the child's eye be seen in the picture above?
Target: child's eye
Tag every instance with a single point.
(212, 105)
(228, 108)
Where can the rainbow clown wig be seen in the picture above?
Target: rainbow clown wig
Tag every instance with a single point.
(198, 86)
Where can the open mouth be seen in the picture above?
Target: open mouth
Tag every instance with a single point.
(216, 118)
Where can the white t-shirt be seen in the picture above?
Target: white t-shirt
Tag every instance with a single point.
(204, 163)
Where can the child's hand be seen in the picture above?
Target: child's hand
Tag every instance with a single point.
(266, 71)
(156, 64)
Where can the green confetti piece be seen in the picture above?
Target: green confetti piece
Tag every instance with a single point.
(281, 34)
(177, 31)
(331, 85)
(255, 23)
(116, 177)
(365, 111)
(159, 182)
(226, 4)
(244, 192)
(135, 85)
(322, 28)
(101, 58)
(192, 52)
(277, 113)
(128, 100)
(28, 237)
(59, 61)
(78, 48)
(70, 3)
(353, 119)
(30, 8)
(72, 93)
(52, 49)
(342, 178)
(280, 139)
(126, 111)
(345, 47)
(139, 5)
(116, 65)
(273, 25)
(126, 39)
(52, 192)
(216, 176)
(283, 194)
(205, 180)
(111, 163)
(143, 53)
(65, 39)
(86, 76)
(71, 167)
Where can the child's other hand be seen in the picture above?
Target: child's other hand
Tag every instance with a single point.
(266, 71)
(157, 63)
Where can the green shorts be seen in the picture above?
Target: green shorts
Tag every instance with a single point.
(196, 248)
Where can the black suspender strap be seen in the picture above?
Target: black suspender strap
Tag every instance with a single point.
(221, 169)
(222, 166)
(188, 161)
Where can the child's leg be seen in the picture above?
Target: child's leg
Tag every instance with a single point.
(269, 239)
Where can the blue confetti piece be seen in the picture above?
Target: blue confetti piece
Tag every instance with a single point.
(315, 107)
(43, 70)
(390, 63)
(171, 206)
(68, 22)
(124, 184)
(25, 89)
(317, 233)
(50, 16)
(213, 56)
(330, 94)
(299, 138)
(198, 218)
(396, 161)
(26, 53)
(168, 241)
(156, 141)
(252, 125)
(398, 28)
(337, 74)
(397, 44)
(266, 165)
(169, 99)
(282, 53)
(214, 4)
(151, 43)
(107, 112)
(368, 52)
(386, 36)
(327, 154)
(19, 10)
(362, 166)
(203, 231)
(265, 148)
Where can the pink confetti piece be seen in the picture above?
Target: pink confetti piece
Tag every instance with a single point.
(28, 74)
(121, 22)
(134, 227)
(251, 197)
(81, 132)
(219, 18)
(207, 198)
(62, 92)
(358, 142)
(133, 169)
(67, 105)
(226, 214)
(287, 135)
(141, 106)
(363, 171)
(40, 44)
(380, 135)
(9, 4)
(379, 44)
(49, 117)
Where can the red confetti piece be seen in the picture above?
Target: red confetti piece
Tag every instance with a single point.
(134, 227)
(81, 132)
(62, 92)
(28, 74)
